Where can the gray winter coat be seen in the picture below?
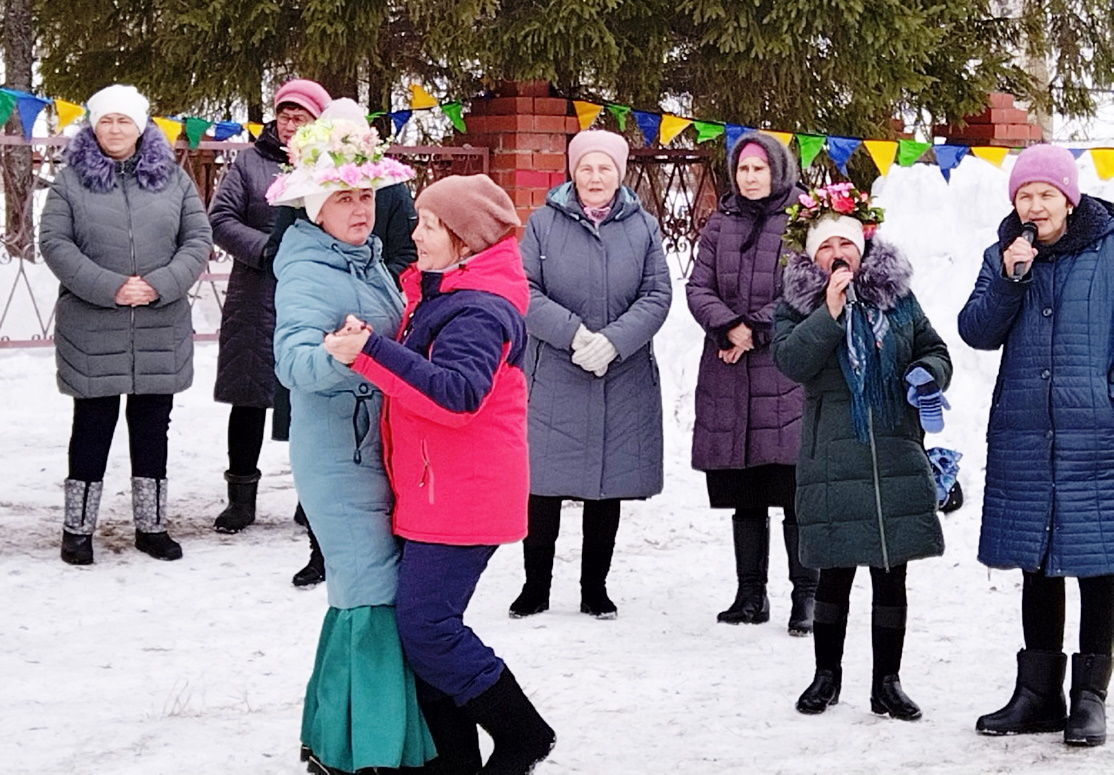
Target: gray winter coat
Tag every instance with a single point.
(103, 222)
(594, 437)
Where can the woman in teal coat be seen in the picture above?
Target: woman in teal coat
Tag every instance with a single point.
(361, 709)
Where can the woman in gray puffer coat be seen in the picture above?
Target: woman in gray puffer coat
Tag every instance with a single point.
(748, 415)
(125, 232)
(599, 291)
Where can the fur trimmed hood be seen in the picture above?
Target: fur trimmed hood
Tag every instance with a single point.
(153, 163)
(882, 280)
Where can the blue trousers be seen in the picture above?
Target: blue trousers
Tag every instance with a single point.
(435, 584)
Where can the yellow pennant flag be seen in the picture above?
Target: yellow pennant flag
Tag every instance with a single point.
(991, 154)
(781, 137)
(671, 126)
(420, 98)
(882, 151)
(586, 113)
(254, 128)
(170, 127)
(67, 112)
(1104, 162)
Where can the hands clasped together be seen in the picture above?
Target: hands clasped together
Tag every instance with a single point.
(346, 342)
(135, 292)
(592, 351)
(742, 341)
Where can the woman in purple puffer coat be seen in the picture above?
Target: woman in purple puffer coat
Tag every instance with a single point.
(747, 432)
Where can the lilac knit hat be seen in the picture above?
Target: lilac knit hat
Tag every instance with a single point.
(590, 140)
(472, 207)
(305, 94)
(1046, 164)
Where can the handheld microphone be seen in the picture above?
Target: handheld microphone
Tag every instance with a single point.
(849, 291)
(1029, 234)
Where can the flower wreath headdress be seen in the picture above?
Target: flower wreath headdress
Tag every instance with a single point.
(832, 200)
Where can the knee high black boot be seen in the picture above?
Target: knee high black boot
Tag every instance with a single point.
(1090, 676)
(597, 550)
(538, 550)
(804, 582)
(1037, 704)
(887, 634)
(829, 633)
(752, 560)
(454, 734)
(521, 736)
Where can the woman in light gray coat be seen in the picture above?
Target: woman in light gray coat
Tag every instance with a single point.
(600, 290)
(125, 232)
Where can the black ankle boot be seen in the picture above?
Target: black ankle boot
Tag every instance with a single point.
(822, 692)
(597, 604)
(804, 582)
(521, 736)
(240, 511)
(1037, 704)
(314, 572)
(538, 563)
(77, 549)
(887, 697)
(158, 545)
(752, 560)
(1090, 675)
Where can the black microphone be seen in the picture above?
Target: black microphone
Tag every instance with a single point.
(849, 291)
(1029, 234)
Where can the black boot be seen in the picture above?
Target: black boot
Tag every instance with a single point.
(752, 560)
(600, 528)
(456, 738)
(538, 549)
(300, 516)
(314, 572)
(1037, 704)
(887, 697)
(822, 692)
(887, 634)
(521, 736)
(829, 633)
(804, 582)
(83, 501)
(240, 511)
(1090, 675)
(149, 512)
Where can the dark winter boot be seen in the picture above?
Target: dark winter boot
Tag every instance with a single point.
(595, 562)
(804, 582)
(1037, 704)
(314, 572)
(822, 692)
(300, 516)
(534, 598)
(829, 633)
(149, 512)
(521, 736)
(83, 502)
(752, 560)
(887, 634)
(456, 738)
(1090, 675)
(240, 511)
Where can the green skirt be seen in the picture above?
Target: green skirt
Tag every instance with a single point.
(361, 706)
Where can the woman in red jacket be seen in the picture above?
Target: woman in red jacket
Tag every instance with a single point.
(455, 443)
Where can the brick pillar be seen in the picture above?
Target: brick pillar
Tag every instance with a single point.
(528, 134)
(1002, 123)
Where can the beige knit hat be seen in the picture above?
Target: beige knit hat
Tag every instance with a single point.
(472, 207)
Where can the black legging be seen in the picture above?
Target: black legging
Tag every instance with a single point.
(600, 526)
(888, 587)
(245, 439)
(94, 422)
(1042, 613)
(763, 513)
(833, 596)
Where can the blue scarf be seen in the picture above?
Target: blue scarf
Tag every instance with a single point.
(868, 356)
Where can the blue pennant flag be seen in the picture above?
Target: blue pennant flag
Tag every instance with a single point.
(222, 130)
(840, 150)
(731, 135)
(1077, 152)
(29, 107)
(649, 123)
(949, 157)
(399, 118)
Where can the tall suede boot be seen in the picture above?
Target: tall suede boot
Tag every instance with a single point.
(887, 635)
(595, 562)
(149, 511)
(521, 736)
(1090, 676)
(804, 582)
(454, 734)
(240, 511)
(752, 561)
(538, 550)
(83, 502)
(1037, 704)
(829, 634)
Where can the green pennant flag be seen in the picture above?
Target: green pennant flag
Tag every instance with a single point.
(195, 128)
(809, 146)
(7, 105)
(372, 116)
(454, 111)
(908, 151)
(707, 130)
(620, 113)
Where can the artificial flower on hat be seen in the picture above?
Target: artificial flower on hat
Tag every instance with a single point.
(832, 200)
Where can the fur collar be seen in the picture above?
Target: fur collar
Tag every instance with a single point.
(152, 164)
(882, 280)
(1092, 220)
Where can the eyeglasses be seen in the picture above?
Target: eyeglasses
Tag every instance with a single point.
(297, 118)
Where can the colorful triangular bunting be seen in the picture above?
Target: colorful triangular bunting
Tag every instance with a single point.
(882, 152)
(195, 129)
(620, 113)
(840, 150)
(671, 126)
(1104, 162)
(949, 157)
(809, 146)
(67, 112)
(399, 118)
(649, 124)
(989, 153)
(781, 137)
(170, 127)
(707, 130)
(455, 112)
(908, 151)
(420, 98)
(222, 130)
(586, 113)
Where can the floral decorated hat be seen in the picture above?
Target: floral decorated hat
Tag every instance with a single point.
(832, 201)
(337, 151)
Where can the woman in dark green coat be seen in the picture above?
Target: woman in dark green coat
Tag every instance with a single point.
(867, 357)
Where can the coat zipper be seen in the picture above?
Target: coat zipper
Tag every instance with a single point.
(877, 489)
(135, 271)
(427, 472)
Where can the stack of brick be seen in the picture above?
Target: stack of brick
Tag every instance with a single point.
(1002, 123)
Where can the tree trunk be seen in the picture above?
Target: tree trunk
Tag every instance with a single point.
(18, 174)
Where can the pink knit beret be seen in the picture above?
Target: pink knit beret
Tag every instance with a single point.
(305, 94)
(591, 140)
(472, 207)
(1049, 164)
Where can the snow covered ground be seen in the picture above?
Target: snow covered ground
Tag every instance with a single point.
(136, 666)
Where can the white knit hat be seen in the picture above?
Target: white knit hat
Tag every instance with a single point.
(118, 98)
(842, 226)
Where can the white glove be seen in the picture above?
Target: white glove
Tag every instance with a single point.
(596, 355)
(582, 337)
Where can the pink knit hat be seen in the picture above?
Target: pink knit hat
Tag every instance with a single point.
(591, 140)
(472, 207)
(1049, 164)
(753, 149)
(305, 94)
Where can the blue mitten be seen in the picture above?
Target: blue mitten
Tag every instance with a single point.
(925, 394)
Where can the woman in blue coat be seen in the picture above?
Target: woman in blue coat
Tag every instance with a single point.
(1047, 299)
(361, 708)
